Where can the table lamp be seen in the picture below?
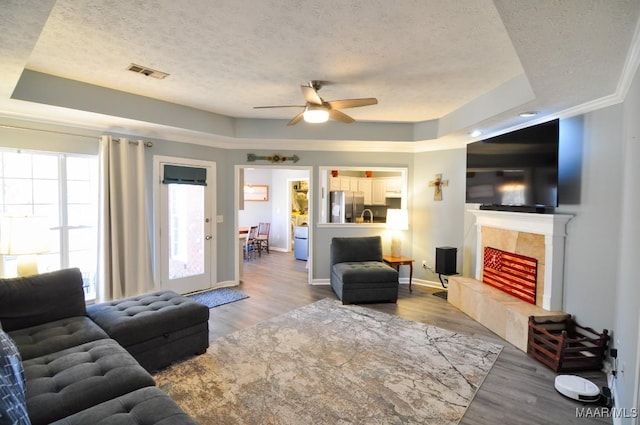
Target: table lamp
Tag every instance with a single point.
(24, 237)
(397, 220)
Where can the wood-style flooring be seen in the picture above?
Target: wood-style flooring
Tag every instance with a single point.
(518, 390)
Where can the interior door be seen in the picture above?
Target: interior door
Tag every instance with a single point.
(186, 225)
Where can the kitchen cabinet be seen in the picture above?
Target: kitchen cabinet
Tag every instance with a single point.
(365, 186)
(345, 183)
(354, 184)
(393, 187)
(375, 190)
(378, 192)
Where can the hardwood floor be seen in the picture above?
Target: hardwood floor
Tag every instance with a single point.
(518, 390)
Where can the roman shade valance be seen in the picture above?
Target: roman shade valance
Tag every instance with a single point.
(178, 174)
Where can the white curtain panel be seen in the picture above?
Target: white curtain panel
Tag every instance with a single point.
(124, 263)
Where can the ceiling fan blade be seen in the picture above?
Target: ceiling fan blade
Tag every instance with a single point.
(352, 103)
(340, 116)
(311, 95)
(295, 120)
(279, 106)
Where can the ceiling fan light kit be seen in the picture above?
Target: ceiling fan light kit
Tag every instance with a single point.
(317, 110)
(316, 114)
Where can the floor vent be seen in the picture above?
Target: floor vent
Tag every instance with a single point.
(147, 71)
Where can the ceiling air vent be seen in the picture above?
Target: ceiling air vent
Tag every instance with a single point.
(147, 71)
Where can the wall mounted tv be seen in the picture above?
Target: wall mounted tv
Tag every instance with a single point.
(516, 171)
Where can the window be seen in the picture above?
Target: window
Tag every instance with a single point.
(186, 209)
(360, 196)
(63, 188)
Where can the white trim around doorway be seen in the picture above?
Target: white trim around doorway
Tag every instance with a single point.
(239, 190)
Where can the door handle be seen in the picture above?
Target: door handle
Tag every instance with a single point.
(208, 237)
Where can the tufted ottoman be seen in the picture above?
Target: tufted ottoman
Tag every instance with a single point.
(366, 281)
(157, 328)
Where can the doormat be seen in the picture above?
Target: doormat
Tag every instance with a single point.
(441, 294)
(218, 297)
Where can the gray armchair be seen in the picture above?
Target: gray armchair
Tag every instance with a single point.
(358, 274)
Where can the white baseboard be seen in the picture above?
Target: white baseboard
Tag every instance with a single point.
(427, 283)
(611, 383)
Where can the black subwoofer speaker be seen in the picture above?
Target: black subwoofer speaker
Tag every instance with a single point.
(446, 260)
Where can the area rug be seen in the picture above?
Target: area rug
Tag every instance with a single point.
(326, 363)
(217, 297)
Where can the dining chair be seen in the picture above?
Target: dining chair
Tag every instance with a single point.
(262, 238)
(250, 245)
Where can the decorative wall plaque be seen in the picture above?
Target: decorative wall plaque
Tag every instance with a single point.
(273, 158)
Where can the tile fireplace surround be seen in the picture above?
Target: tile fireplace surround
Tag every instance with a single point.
(541, 236)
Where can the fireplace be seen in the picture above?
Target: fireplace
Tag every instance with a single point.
(536, 236)
(540, 238)
(512, 273)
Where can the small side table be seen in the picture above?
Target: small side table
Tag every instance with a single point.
(396, 262)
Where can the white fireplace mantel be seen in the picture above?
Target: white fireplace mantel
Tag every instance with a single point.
(552, 226)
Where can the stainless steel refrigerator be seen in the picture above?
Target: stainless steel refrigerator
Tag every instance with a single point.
(345, 206)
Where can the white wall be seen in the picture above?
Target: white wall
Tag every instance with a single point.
(438, 223)
(255, 212)
(281, 209)
(626, 313)
(592, 248)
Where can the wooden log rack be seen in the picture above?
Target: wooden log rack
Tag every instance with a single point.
(564, 346)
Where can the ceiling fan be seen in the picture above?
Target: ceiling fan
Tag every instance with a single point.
(317, 110)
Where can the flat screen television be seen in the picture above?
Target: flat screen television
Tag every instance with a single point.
(516, 171)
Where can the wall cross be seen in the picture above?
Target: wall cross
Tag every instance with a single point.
(438, 184)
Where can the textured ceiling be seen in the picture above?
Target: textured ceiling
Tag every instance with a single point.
(423, 60)
(228, 56)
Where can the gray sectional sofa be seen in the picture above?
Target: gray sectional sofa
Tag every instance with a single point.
(59, 366)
